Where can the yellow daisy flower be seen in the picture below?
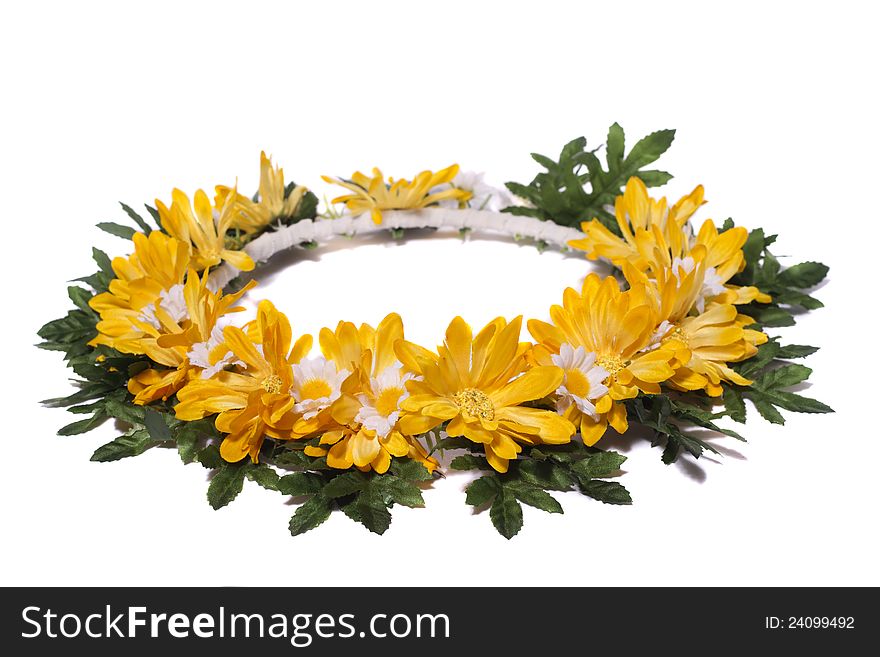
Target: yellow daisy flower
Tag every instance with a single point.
(373, 194)
(656, 241)
(366, 431)
(257, 401)
(704, 339)
(158, 264)
(179, 331)
(202, 230)
(271, 204)
(614, 328)
(713, 339)
(479, 385)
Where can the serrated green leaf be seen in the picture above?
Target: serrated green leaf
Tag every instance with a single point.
(103, 261)
(226, 484)
(402, 492)
(131, 444)
(125, 232)
(469, 462)
(80, 298)
(506, 514)
(457, 442)
(410, 470)
(263, 475)
(533, 496)
(300, 483)
(609, 492)
(804, 275)
(82, 426)
(545, 474)
(600, 464)
(187, 446)
(614, 147)
(649, 148)
(796, 351)
(768, 411)
(314, 512)
(734, 404)
(210, 457)
(372, 512)
(772, 316)
(137, 219)
(156, 425)
(345, 484)
(483, 490)
(783, 377)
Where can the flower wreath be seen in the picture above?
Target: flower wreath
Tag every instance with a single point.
(674, 342)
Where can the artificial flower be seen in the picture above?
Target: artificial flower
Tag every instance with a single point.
(204, 227)
(178, 325)
(479, 385)
(256, 401)
(364, 426)
(660, 242)
(154, 271)
(273, 202)
(614, 328)
(373, 194)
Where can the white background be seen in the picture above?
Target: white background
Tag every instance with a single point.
(776, 113)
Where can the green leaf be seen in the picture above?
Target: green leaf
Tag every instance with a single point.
(210, 457)
(768, 411)
(734, 404)
(372, 512)
(649, 149)
(483, 490)
(506, 514)
(545, 474)
(136, 218)
(533, 496)
(103, 261)
(614, 146)
(314, 512)
(82, 426)
(156, 425)
(300, 483)
(600, 464)
(772, 316)
(609, 492)
(131, 444)
(410, 470)
(457, 442)
(783, 377)
(402, 492)
(804, 275)
(80, 298)
(187, 445)
(469, 462)
(119, 230)
(345, 484)
(264, 476)
(226, 484)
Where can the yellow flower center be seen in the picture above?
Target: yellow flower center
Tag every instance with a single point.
(577, 383)
(386, 402)
(611, 363)
(315, 389)
(476, 403)
(679, 335)
(272, 384)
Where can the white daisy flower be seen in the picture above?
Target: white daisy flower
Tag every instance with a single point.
(172, 302)
(582, 384)
(712, 283)
(200, 354)
(316, 385)
(380, 411)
